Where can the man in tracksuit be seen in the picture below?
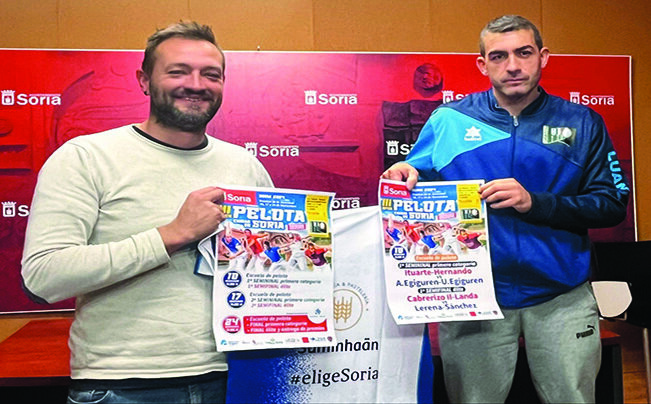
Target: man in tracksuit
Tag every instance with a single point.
(548, 166)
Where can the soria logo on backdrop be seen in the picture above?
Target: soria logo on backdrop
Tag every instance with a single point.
(591, 100)
(352, 202)
(260, 151)
(11, 97)
(396, 148)
(313, 97)
(13, 209)
(449, 96)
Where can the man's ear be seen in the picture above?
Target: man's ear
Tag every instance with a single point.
(143, 81)
(481, 65)
(544, 55)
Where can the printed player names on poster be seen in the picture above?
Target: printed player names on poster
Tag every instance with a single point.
(437, 262)
(271, 261)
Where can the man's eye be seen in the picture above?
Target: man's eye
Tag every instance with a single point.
(214, 76)
(496, 58)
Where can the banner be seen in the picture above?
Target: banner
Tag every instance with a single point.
(317, 121)
(374, 360)
(437, 263)
(271, 265)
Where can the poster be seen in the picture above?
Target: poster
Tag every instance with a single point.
(272, 271)
(437, 254)
(374, 361)
(326, 121)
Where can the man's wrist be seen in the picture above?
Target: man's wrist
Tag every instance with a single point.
(172, 238)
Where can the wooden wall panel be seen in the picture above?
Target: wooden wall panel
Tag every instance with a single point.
(247, 24)
(456, 24)
(115, 24)
(28, 24)
(372, 25)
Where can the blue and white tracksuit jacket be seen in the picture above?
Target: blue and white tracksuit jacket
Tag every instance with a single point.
(561, 153)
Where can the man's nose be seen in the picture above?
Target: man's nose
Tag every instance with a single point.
(513, 63)
(195, 81)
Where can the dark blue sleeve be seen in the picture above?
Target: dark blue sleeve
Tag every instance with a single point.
(603, 194)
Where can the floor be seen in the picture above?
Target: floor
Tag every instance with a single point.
(635, 390)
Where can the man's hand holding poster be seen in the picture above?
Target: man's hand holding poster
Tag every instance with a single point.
(271, 262)
(437, 260)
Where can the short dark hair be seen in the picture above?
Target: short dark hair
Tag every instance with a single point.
(181, 29)
(508, 23)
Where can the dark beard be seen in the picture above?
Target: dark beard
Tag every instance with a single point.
(169, 116)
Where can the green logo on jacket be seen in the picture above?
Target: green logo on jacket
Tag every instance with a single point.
(558, 134)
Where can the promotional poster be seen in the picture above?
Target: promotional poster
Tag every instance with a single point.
(321, 121)
(437, 263)
(374, 361)
(272, 270)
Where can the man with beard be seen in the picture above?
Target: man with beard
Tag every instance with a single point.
(115, 221)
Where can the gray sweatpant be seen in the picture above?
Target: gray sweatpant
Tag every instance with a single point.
(562, 344)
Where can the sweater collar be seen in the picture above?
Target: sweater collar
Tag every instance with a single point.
(153, 139)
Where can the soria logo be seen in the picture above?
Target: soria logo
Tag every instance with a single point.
(591, 100)
(449, 96)
(12, 209)
(10, 97)
(346, 203)
(394, 191)
(272, 151)
(312, 97)
(240, 197)
(395, 148)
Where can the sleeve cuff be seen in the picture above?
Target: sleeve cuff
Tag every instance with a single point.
(157, 247)
(542, 206)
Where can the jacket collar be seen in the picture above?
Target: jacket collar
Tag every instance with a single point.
(530, 109)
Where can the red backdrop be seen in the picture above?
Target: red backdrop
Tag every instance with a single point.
(318, 121)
